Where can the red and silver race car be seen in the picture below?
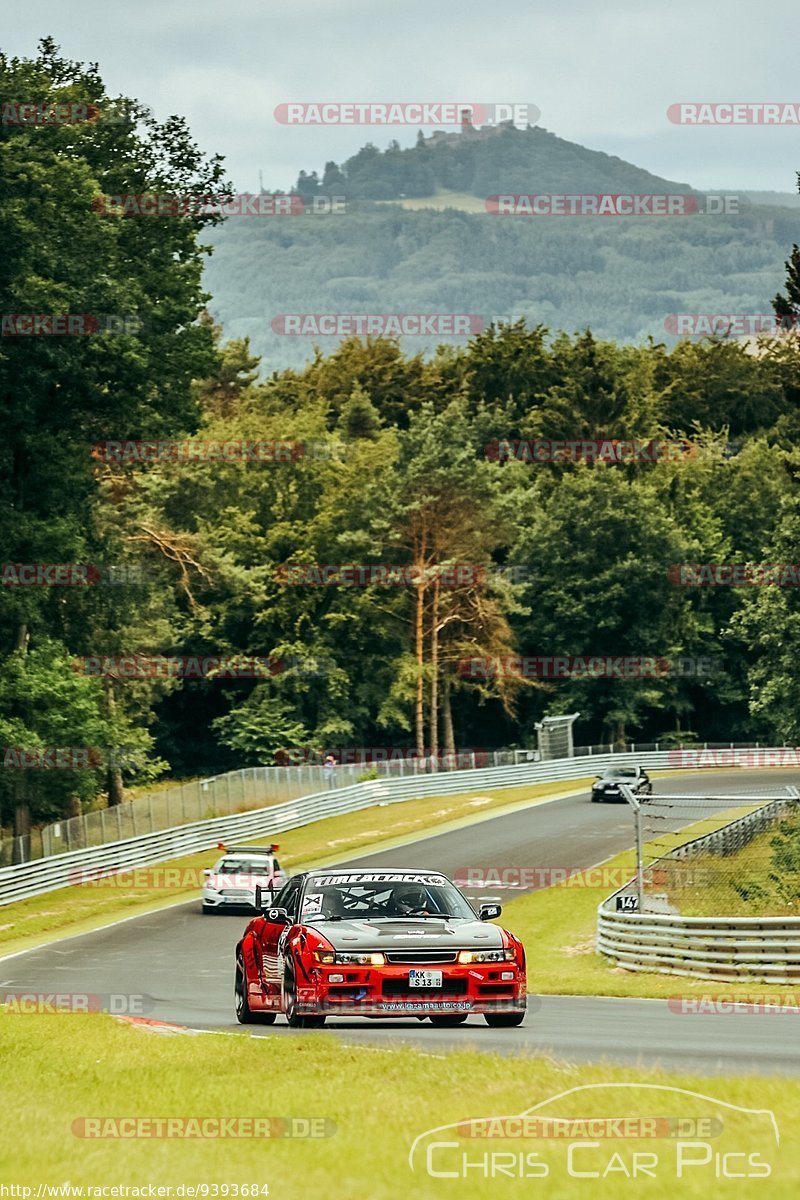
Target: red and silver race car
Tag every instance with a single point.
(393, 943)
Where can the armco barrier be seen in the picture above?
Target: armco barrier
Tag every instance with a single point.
(48, 874)
(723, 948)
(761, 949)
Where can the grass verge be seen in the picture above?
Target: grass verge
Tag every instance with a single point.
(59, 1069)
(80, 908)
(762, 879)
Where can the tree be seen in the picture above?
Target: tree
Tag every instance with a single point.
(787, 306)
(47, 707)
(67, 253)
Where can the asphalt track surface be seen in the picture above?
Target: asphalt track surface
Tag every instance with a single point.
(181, 963)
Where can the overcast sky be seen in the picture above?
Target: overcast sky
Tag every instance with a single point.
(602, 72)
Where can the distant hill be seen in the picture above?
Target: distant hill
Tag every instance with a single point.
(415, 237)
(481, 162)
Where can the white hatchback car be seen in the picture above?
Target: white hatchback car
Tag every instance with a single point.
(231, 883)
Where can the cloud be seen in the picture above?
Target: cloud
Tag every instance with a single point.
(602, 75)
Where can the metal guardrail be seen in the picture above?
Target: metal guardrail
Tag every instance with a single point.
(49, 874)
(727, 949)
(256, 787)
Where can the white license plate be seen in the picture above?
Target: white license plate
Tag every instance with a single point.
(424, 979)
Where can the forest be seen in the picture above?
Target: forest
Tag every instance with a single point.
(358, 546)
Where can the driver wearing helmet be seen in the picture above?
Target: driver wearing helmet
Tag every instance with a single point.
(411, 900)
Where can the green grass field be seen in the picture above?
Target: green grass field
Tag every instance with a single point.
(751, 883)
(60, 1069)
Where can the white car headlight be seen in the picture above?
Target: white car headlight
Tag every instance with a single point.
(485, 956)
(361, 960)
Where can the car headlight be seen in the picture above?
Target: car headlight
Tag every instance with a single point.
(361, 960)
(485, 956)
(210, 887)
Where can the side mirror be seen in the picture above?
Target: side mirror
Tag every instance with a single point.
(488, 912)
(207, 872)
(277, 916)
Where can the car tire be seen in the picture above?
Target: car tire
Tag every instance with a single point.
(504, 1020)
(244, 1013)
(444, 1020)
(208, 910)
(293, 1018)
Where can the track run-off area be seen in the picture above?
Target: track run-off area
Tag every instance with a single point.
(182, 963)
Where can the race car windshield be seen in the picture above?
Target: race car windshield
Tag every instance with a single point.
(241, 866)
(383, 901)
(621, 773)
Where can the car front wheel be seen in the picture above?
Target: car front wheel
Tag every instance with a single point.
(244, 1013)
(293, 1018)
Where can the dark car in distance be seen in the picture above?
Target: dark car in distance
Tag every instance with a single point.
(606, 787)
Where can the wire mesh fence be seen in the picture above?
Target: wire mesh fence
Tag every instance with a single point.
(259, 787)
(731, 855)
(223, 795)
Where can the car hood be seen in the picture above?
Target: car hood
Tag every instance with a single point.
(428, 933)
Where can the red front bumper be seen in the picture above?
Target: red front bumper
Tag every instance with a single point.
(385, 991)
